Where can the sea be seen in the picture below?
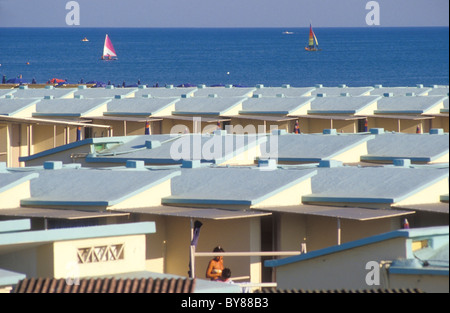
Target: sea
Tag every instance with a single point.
(221, 56)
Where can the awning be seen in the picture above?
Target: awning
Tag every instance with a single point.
(401, 117)
(440, 207)
(194, 118)
(268, 118)
(57, 213)
(333, 117)
(206, 213)
(32, 120)
(126, 119)
(351, 213)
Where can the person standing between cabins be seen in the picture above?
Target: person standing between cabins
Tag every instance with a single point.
(215, 266)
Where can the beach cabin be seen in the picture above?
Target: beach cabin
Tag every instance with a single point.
(70, 110)
(264, 114)
(24, 91)
(345, 113)
(377, 187)
(404, 258)
(136, 116)
(217, 148)
(24, 132)
(313, 148)
(72, 253)
(201, 114)
(440, 120)
(97, 190)
(429, 148)
(406, 114)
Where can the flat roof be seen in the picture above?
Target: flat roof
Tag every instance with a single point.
(164, 92)
(232, 185)
(312, 147)
(15, 240)
(416, 147)
(440, 207)
(341, 105)
(207, 105)
(64, 214)
(204, 213)
(43, 92)
(287, 91)
(351, 213)
(10, 107)
(408, 104)
(384, 184)
(138, 106)
(273, 105)
(68, 107)
(91, 187)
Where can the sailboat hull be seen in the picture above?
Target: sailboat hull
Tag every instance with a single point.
(312, 49)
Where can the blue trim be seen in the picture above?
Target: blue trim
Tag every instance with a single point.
(14, 225)
(319, 198)
(56, 114)
(388, 158)
(76, 144)
(51, 235)
(401, 233)
(9, 278)
(418, 271)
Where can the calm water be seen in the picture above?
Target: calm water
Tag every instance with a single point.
(352, 56)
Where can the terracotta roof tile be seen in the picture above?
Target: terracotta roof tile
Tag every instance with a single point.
(106, 285)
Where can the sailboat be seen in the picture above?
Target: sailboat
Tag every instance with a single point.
(313, 44)
(108, 50)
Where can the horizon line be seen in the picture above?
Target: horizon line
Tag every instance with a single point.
(223, 27)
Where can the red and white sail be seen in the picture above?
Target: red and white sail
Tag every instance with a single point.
(108, 49)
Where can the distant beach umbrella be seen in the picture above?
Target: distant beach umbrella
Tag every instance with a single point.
(78, 133)
(147, 128)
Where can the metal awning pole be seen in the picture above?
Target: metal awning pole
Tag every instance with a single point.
(192, 250)
(338, 231)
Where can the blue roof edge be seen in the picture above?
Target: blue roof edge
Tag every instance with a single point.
(77, 233)
(71, 146)
(14, 225)
(401, 233)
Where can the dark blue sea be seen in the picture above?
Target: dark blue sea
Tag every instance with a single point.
(245, 57)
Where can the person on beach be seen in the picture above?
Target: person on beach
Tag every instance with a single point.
(215, 266)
